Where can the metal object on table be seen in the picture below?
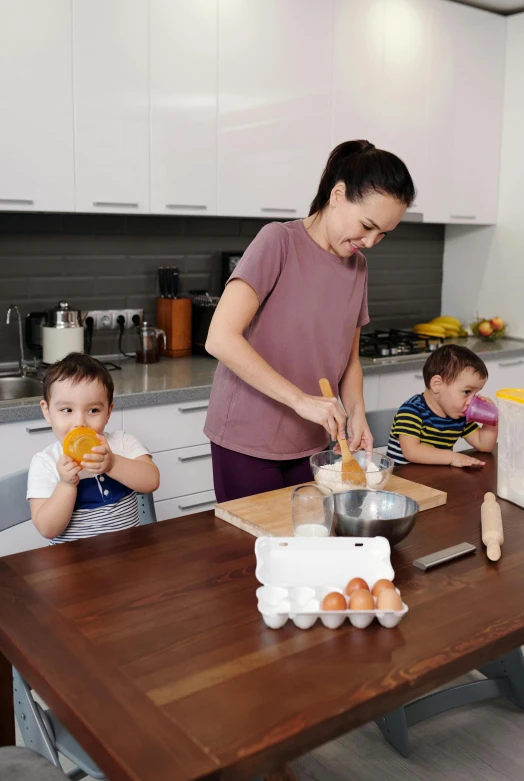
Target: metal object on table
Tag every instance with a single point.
(368, 513)
(442, 556)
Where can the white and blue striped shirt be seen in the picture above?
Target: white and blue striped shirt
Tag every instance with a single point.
(102, 504)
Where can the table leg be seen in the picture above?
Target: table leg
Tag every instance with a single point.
(7, 715)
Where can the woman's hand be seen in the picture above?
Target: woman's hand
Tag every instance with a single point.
(359, 434)
(327, 412)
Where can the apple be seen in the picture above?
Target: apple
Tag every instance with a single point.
(485, 328)
(497, 323)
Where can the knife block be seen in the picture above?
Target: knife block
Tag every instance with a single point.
(174, 315)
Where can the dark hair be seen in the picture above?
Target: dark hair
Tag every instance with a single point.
(449, 361)
(364, 169)
(78, 367)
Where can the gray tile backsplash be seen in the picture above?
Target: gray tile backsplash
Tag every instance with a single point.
(109, 261)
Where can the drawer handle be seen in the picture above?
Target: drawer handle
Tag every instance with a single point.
(38, 430)
(18, 201)
(197, 408)
(512, 363)
(185, 459)
(463, 216)
(419, 376)
(196, 504)
(122, 204)
(194, 206)
(278, 211)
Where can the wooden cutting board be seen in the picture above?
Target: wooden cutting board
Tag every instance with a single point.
(270, 513)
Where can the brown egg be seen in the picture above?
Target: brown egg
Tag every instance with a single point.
(389, 600)
(361, 600)
(354, 585)
(380, 585)
(334, 601)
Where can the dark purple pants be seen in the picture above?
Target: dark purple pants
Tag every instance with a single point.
(236, 475)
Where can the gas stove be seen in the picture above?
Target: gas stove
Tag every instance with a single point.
(395, 345)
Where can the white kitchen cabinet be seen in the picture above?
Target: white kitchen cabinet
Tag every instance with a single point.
(503, 373)
(168, 426)
(398, 387)
(275, 103)
(371, 392)
(36, 153)
(185, 505)
(183, 89)
(381, 72)
(111, 99)
(185, 471)
(465, 100)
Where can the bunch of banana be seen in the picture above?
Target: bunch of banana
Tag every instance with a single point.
(444, 327)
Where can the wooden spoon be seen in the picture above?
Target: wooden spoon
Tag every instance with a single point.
(349, 464)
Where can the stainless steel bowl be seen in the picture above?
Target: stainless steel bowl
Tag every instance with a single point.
(365, 513)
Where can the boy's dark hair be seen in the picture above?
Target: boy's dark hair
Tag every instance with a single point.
(364, 169)
(449, 361)
(78, 367)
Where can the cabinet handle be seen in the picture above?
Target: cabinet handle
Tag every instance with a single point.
(511, 363)
(122, 204)
(419, 376)
(18, 201)
(195, 504)
(463, 216)
(279, 211)
(38, 430)
(195, 207)
(197, 408)
(186, 459)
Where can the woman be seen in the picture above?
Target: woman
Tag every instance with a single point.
(291, 313)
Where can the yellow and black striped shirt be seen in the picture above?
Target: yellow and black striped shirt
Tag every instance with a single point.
(416, 419)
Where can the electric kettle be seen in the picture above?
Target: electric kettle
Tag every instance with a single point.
(61, 332)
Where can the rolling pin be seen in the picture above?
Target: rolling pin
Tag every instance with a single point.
(492, 532)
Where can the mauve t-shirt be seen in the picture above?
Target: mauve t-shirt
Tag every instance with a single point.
(311, 302)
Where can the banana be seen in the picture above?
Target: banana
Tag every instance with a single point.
(447, 320)
(429, 329)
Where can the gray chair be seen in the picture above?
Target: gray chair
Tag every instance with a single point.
(380, 422)
(41, 730)
(22, 764)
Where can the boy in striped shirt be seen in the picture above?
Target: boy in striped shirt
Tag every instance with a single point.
(70, 501)
(428, 425)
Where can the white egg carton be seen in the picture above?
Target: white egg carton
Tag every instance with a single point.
(297, 572)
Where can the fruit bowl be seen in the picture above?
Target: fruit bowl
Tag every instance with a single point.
(489, 329)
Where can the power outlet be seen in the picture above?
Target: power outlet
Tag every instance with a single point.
(105, 319)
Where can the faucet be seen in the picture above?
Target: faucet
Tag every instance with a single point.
(22, 362)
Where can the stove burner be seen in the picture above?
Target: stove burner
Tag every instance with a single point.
(396, 343)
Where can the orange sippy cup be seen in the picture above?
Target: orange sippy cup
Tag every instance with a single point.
(79, 442)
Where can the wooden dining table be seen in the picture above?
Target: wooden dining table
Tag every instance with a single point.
(147, 644)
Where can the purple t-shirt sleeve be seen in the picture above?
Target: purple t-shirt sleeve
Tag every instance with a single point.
(363, 318)
(263, 261)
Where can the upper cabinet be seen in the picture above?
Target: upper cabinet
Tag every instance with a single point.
(36, 153)
(275, 104)
(231, 107)
(381, 74)
(183, 88)
(465, 113)
(111, 89)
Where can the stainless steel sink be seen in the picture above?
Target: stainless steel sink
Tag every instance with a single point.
(19, 388)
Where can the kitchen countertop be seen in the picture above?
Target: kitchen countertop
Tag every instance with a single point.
(189, 379)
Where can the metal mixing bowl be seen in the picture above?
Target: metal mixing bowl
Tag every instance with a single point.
(365, 513)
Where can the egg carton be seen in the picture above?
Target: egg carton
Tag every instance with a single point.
(296, 573)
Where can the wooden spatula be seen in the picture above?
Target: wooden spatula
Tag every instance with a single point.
(351, 469)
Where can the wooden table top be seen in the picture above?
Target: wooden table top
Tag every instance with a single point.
(149, 646)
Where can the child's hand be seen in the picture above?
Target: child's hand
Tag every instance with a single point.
(101, 459)
(68, 470)
(461, 460)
